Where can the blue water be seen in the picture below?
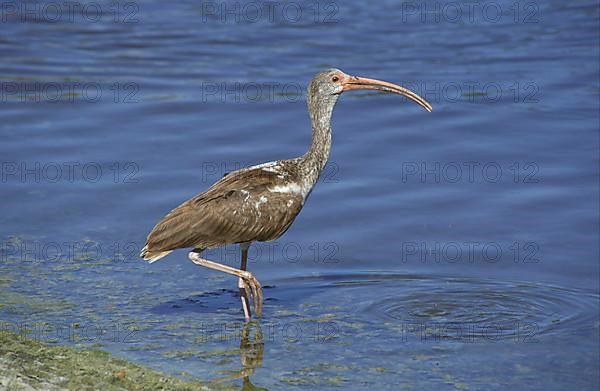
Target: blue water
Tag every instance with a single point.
(451, 250)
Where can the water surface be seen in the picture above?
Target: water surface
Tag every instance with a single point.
(451, 250)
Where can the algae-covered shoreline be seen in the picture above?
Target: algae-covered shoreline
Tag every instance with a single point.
(27, 364)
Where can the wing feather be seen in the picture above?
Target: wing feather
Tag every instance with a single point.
(239, 208)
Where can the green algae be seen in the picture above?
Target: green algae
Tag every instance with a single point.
(29, 364)
(321, 374)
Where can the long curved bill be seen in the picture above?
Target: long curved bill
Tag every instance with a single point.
(363, 83)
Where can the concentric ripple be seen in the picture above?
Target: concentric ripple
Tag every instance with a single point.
(464, 308)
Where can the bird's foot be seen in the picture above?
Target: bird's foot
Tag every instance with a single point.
(251, 282)
(247, 280)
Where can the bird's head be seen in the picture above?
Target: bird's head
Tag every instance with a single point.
(331, 83)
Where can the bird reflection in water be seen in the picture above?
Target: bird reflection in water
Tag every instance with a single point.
(252, 348)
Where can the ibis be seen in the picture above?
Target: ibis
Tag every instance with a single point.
(259, 203)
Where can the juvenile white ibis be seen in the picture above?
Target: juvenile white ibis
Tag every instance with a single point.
(260, 203)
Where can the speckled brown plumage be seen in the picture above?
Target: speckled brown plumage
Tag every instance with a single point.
(241, 207)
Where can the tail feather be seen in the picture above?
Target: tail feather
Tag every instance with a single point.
(153, 256)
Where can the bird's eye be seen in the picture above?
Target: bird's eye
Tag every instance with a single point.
(335, 79)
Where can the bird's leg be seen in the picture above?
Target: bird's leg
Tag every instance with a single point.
(249, 279)
(241, 284)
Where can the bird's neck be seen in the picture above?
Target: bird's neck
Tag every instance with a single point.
(314, 160)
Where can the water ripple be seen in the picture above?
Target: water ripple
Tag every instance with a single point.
(459, 308)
